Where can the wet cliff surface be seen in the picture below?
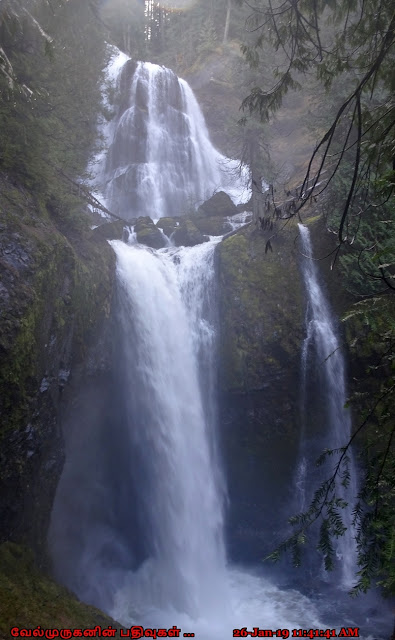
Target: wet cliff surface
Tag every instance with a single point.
(261, 325)
(55, 288)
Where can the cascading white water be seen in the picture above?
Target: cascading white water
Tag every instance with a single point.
(137, 526)
(169, 344)
(163, 297)
(322, 344)
(160, 161)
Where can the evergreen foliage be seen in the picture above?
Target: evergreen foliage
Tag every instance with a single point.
(171, 32)
(349, 45)
(49, 97)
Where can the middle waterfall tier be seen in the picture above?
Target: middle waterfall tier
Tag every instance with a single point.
(160, 160)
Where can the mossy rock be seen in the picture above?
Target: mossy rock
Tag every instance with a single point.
(187, 234)
(220, 204)
(147, 233)
(30, 599)
(261, 322)
(168, 225)
(55, 291)
(110, 230)
(261, 309)
(212, 226)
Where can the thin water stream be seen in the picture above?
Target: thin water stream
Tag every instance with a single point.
(322, 360)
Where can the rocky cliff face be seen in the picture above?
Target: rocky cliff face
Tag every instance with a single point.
(55, 293)
(261, 324)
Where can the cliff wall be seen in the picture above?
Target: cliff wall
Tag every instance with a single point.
(55, 294)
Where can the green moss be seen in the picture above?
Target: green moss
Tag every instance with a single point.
(64, 289)
(214, 226)
(168, 225)
(55, 292)
(28, 598)
(147, 233)
(312, 220)
(261, 310)
(187, 234)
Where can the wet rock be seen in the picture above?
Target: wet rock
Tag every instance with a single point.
(168, 225)
(55, 293)
(213, 225)
(261, 311)
(219, 204)
(110, 230)
(147, 233)
(188, 235)
(261, 315)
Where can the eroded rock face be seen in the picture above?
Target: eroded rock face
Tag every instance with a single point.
(147, 233)
(220, 204)
(261, 327)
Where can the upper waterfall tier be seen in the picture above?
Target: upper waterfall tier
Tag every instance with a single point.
(160, 161)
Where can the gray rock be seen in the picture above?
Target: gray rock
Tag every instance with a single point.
(110, 230)
(168, 225)
(147, 233)
(188, 235)
(213, 225)
(219, 204)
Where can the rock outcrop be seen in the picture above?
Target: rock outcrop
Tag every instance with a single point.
(261, 326)
(113, 230)
(187, 228)
(55, 296)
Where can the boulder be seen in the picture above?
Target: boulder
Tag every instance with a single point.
(212, 226)
(219, 204)
(168, 225)
(147, 233)
(110, 230)
(188, 235)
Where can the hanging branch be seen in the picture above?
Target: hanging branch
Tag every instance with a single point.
(84, 193)
(356, 169)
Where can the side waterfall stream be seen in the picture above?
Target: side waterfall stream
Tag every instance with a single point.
(322, 361)
(138, 521)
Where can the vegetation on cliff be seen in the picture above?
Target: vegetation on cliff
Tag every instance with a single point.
(30, 600)
(56, 276)
(261, 315)
(348, 46)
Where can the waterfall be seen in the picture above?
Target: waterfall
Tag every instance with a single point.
(330, 427)
(165, 307)
(137, 526)
(160, 161)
